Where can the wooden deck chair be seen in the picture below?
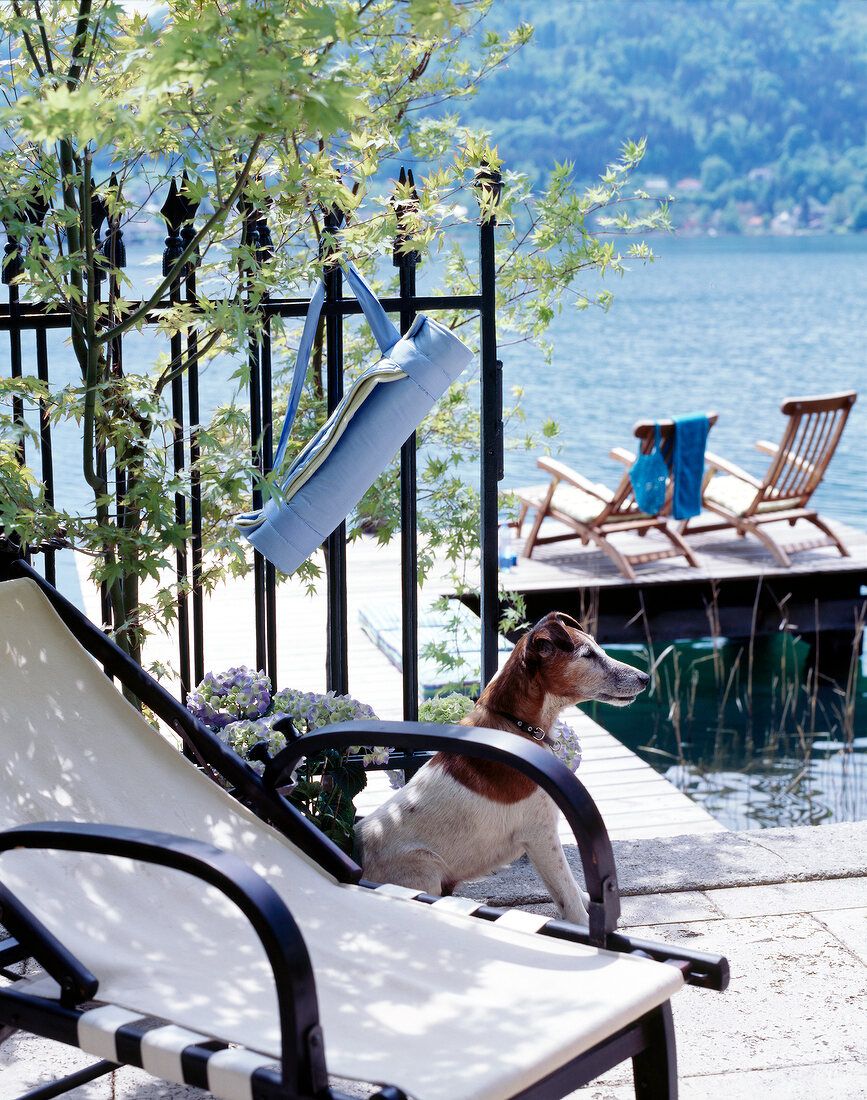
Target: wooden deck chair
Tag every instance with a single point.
(797, 466)
(178, 931)
(593, 513)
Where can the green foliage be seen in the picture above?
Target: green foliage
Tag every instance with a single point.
(291, 110)
(772, 88)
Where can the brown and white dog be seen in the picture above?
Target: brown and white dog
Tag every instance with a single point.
(460, 818)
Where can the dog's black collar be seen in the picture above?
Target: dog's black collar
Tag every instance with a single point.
(536, 732)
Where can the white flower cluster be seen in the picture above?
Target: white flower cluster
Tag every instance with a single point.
(309, 710)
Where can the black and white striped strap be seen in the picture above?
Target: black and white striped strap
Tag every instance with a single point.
(516, 920)
(163, 1049)
(170, 1052)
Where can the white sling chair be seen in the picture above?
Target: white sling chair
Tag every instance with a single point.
(178, 931)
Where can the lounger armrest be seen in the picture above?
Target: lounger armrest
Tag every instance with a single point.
(723, 466)
(538, 764)
(621, 454)
(565, 473)
(303, 1058)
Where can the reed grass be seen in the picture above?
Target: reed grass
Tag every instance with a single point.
(760, 722)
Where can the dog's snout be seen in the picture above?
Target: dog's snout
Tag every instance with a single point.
(643, 678)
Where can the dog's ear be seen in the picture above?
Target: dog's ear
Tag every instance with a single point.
(547, 637)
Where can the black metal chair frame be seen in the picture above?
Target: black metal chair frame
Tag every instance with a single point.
(649, 1041)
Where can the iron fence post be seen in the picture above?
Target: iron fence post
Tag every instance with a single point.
(174, 211)
(337, 671)
(489, 183)
(406, 263)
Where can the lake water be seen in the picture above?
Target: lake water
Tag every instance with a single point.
(733, 325)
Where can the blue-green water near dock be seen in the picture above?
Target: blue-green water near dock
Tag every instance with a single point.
(728, 324)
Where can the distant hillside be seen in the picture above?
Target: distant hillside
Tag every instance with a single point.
(754, 110)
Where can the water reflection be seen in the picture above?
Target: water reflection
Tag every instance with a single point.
(750, 734)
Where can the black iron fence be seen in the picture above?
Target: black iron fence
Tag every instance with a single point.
(23, 319)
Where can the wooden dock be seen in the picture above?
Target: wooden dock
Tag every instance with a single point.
(635, 801)
(737, 588)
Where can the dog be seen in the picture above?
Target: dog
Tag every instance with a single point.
(459, 817)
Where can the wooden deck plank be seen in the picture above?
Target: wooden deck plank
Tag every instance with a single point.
(720, 555)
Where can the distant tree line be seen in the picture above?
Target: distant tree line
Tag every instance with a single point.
(757, 104)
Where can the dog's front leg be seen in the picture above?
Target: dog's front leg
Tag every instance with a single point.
(546, 854)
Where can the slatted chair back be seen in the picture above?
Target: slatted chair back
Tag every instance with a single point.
(809, 440)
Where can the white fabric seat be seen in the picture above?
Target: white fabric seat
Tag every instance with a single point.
(735, 495)
(424, 997)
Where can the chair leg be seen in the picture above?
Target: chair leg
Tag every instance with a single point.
(522, 515)
(780, 555)
(66, 1084)
(745, 526)
(655, 1068)
(529, 545)
(541, 512)
(619, 560)
(827, 530)
(680, 544)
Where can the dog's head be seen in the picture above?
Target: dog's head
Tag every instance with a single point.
(570, 667)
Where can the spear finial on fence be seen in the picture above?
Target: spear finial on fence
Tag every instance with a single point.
(490, 184)
(113, 247)
(98, 214)
(404, 204)
(12, 262)
(172, 210)
(188, 230)
(257, 234)
(34, 209)
(327, 243)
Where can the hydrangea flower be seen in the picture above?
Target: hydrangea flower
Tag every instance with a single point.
(230, 696)
(247, 732)
(568, 747)
(238, 706)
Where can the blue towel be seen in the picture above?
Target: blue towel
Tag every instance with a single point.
(690, 436)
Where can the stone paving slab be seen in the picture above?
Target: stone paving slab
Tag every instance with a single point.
(685, 863)
(828, 1081)
(791, 1023)
(850, 928)
(791, 897)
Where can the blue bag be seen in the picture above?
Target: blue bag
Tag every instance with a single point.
(649, 475)
(384, 406)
